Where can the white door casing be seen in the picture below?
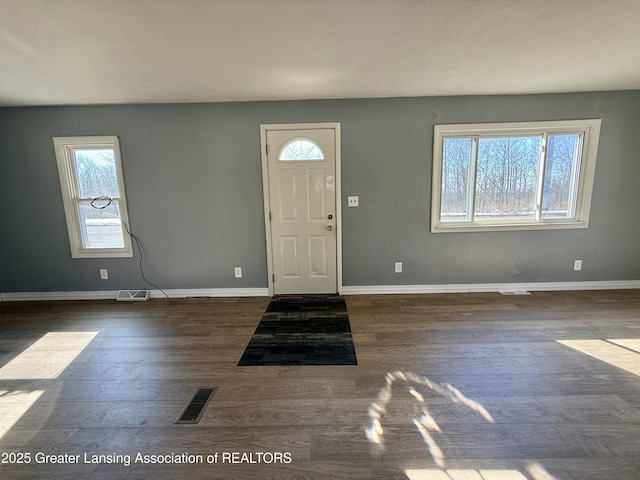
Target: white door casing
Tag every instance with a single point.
(302, 208)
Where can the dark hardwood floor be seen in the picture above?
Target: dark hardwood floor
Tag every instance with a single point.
(558, 373)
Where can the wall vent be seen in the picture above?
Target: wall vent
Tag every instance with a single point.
(132, 295)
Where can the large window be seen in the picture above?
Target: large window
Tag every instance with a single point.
(513, 176)
(93, 195)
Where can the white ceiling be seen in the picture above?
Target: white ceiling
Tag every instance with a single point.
(55, 52)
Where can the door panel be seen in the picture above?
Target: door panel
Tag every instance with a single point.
(289, 256)
(316, 179)
(302, 202)
(318, 261)
(287, 195)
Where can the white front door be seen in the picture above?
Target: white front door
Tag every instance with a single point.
(302, 211)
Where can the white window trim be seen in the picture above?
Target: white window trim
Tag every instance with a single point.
(63, 147)
(589, 128)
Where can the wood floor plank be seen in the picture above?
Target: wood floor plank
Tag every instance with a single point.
(556, 411)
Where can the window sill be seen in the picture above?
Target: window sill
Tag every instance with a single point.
(102, 254)
(478, 227)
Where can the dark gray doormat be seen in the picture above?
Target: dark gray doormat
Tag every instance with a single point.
(302, 330)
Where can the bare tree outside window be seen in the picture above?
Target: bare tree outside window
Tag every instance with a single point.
(506, 179)
(560, 175)
(455, 177)
(99, 219)
(96, 171)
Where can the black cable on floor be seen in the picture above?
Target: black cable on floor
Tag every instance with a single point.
(109, 201)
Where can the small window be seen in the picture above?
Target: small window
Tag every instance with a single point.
(300, 150)
(513, 176)
(93, 195)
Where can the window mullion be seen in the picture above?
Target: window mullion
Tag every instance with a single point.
(471, 181)
(575, 175)
(541, 173)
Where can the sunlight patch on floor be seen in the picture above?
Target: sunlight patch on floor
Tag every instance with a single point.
(48, 357)
(606, 351)
(630, 343)
(423, 421)
(453, 474)
(13, 405)
(534, 470)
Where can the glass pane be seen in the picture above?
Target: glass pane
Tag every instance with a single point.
(300, 150)
(506, 178)
(558, 192)
(100, 228)
(96, 172)
(456, 158)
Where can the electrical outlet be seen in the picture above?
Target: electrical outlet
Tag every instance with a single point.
(238, 272)
(398, 267)
(104, 274)
(352, 201)
(577, 265)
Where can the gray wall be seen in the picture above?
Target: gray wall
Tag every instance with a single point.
(193, 180)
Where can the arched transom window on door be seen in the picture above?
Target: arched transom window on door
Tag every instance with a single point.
(300, 150)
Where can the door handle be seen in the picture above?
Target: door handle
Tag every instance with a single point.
(330, 227)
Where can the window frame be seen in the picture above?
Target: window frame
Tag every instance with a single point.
(64, 147)
(588, 128)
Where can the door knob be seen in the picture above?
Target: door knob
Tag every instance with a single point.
(329, 227)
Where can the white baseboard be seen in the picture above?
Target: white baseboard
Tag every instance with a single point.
(38, 296)
(491, 287)
(111, 295)
(212, 292)
(346, 290)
